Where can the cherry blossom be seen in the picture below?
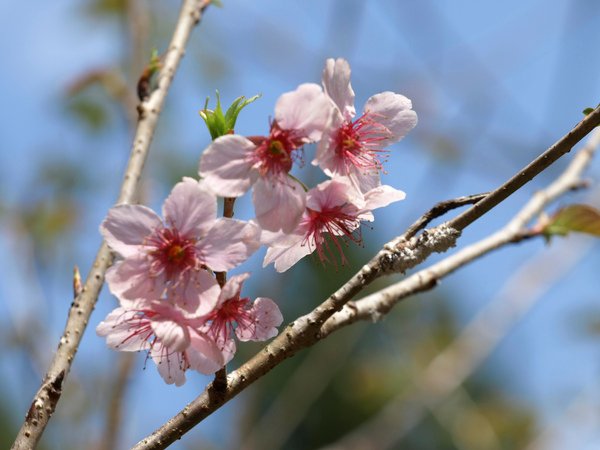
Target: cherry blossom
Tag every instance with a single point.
(173, 341)
(249, 321)
(158, 256)
(232, 164)
(333, 213)
(355, 147)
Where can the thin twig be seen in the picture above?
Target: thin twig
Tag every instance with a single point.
(439, 210)
(45, 400)
(219, 384)
(529, 172)
(305, 331)
(114, 412)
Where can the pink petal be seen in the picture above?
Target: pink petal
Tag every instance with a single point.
(382, 196)
(204, 355)
(306, 109)
(172, 334)
(226, 166)
(129, 279)
(328, 194)
(228, 349)
(228, 244)
(278, 205)
(285, 257)
(336, 82)
(364, 181)
(267, 318)
(190, 209)
(127, 226)
(233, 287)
(171, 365)
(326, 157)
(197, 294)
(121, 328)
(394, 112)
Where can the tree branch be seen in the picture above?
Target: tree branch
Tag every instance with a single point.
(375, 305)
(449, 369)
(439, 210)
(397, 256)
(46, 398)
(529, 172)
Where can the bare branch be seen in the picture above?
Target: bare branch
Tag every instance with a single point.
(397, 256)
(445, 374)
(529, 172)
(379, 303)
(45, 400)
(439, 210)
(114, 413)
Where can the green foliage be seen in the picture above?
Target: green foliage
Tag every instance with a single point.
(220, 124)
(590, 110)
(107, 7)
(579, 218)
(90, 112)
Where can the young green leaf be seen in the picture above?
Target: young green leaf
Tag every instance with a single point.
(219, 124)
(579, 218)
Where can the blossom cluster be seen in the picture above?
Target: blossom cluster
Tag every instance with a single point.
(170, 302)
(350, 151)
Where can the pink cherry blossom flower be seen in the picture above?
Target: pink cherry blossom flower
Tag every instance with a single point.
(232, 164)
(174, 255)
(355, 147)
(249, 321)
(173, 341)
(334, 211)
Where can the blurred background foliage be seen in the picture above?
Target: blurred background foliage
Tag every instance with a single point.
(493, 85)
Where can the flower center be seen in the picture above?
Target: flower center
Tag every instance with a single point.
(275, 153)
(176, 254)
(172, 253)
(223, 319)
(358, 143)
(337, 223)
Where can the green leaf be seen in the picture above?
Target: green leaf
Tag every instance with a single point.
(587, 111)
(219, 124)
(579, 218)
(236, 107)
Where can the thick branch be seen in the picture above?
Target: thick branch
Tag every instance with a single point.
(399, 255)
(46, 398)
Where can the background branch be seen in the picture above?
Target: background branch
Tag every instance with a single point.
(46, 398)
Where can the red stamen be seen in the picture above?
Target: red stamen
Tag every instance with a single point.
(358, 143)
(172, 253)
(275, 154)
(338, 224)
(230, 312)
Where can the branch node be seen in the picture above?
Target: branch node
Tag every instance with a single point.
(408, 254)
